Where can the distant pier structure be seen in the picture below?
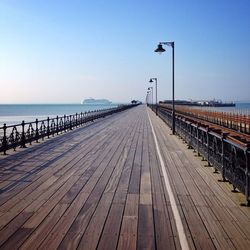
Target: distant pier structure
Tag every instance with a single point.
(203, 103)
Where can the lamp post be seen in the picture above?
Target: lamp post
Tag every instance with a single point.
(156, 103)
(152, 97)
(148, 92)
(147, 99)
(160, 50)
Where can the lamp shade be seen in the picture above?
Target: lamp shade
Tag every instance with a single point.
(160, 49)
(151, 80)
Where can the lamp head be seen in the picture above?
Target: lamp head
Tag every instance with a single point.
(151, 80)
(148, 88)
(160, 49)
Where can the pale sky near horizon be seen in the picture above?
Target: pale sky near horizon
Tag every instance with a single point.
(64, 51)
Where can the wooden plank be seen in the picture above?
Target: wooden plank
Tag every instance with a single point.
(110, 234)
(75, 228)
(134, 183)
(146, 234)
(94, 199)
(128, 234)
(12, 227)
(19, 236)
(44, 210)
(92, 234)
(11, 213)
(165, 236)
(35, 239)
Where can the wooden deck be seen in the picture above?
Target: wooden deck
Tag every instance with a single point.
(102, 186)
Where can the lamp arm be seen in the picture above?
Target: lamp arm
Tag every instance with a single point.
(168, 43)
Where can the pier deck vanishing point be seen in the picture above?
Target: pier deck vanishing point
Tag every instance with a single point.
(117, 184)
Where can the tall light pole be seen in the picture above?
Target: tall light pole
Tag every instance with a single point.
(152, 97)
(148, 92)
(160, 50)
(147, 98)
(156, 103)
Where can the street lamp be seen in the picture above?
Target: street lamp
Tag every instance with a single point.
(160, 50)
(152, 97)
(151, 81)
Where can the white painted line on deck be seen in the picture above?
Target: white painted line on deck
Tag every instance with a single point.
(177, 217)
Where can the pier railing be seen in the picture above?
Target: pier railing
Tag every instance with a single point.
(230, 158)
(19, 135)
(235, 121)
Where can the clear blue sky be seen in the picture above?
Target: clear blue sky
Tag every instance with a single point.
(58, 51)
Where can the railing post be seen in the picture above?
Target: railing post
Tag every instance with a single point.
(4, 143)
(64, 123)
(37, 131)
(23, 136)
(208, 147)
(48, 130)
(190, 135)
(81, 119)
(70, 124)
(198, 142)
(247, 173)
(223, 155)
(76, 120)
(57, 125)
(245, 125)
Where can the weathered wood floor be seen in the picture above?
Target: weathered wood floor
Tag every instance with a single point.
(101, 186)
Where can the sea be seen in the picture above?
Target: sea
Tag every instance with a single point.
(16, 113)
(11, 114)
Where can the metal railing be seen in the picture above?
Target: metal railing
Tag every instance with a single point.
(232, 160)
(13, 136)
(235, 121)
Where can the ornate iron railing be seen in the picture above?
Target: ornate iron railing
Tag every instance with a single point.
(230, 158)
(24, 133)
(234, 121)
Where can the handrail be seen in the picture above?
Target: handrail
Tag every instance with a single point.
(13, 136)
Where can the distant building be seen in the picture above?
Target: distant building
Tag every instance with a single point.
(135, 102)
(202, 103)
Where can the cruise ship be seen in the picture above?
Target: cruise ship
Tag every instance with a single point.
(92, 101)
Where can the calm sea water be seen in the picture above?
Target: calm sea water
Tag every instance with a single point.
(14, 114)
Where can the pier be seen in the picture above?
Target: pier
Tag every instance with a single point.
(120, 182)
